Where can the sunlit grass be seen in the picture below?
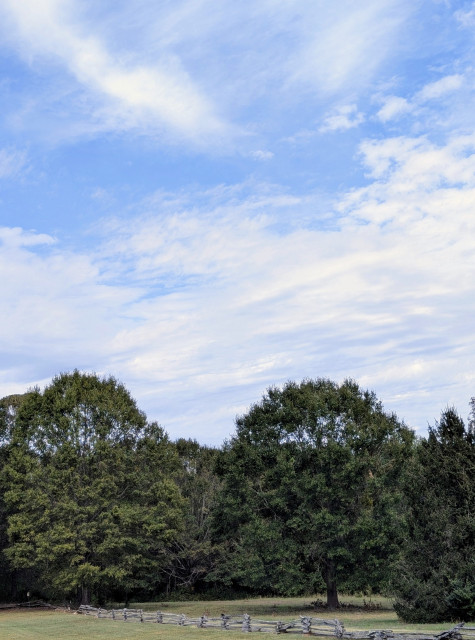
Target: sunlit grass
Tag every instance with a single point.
(377, 612)
(53, 625)
(58, 625)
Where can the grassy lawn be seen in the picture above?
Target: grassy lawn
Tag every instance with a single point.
(382, 617)
(53, 625)
(57, 625)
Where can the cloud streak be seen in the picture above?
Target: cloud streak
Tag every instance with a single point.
(170, 82)
(344, 118)
(12, 163)
(159, 97)
(345, 47)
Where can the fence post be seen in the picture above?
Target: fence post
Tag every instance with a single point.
(159, 617)
(202, 622)
(181, 621)
(451, 634)
(306, 625)
(125, 615)
(380, 634)
(246, 623)
(225, 621)
(141, 615)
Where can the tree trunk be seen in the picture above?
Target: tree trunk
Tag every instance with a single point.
(84, 595)
(329, 575)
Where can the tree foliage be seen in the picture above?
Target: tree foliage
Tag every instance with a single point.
(310, 490)
(435, 578)
(318, 488)
(90, 501)
(193, 555)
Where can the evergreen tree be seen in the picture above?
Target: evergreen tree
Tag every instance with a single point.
(435, 577)
(11, 581)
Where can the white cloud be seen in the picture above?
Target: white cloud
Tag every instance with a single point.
(14, 237)
(466, 18)
(438, 91)
(239, 305)
(202, 302)
(194, 70)
(134, 95)
(56, 311)
(344, 118)
(393, 107)
(344, 46)
(440, 87)
(208, 296)
(261, 154)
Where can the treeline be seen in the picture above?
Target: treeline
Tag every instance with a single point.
(319, 489)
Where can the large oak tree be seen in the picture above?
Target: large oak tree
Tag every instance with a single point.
(310, 490)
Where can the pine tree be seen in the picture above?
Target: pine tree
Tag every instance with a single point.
(435, 578)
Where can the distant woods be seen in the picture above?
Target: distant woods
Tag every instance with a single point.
(319, 490)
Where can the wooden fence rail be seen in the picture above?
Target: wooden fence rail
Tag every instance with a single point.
(306, 625)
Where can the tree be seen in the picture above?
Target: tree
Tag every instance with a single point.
(193, 555)
(310, 490)
(435, 577)
(10, 580)
(89, 490)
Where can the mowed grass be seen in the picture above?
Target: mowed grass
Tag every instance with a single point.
(59, 625)
(55, 625)
(374, 613)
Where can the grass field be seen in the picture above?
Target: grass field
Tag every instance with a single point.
(57, 625)
(379, 613)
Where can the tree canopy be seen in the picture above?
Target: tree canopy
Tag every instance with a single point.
(310, 489)
(435, 577)
(319, 488)
(90, 504)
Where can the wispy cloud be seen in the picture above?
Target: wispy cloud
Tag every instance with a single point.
(214, 276)
(343, 118)
(15, 237)
(387, 299)
(205, 299)
(436, 89)
(158, 97)
(12, 162)
(393, 107)
(466, 17)
(442, 89)
(178, 71)
(262, 154)
(55, 309)
(345, 46)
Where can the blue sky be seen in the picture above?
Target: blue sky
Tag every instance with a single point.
(207, 198)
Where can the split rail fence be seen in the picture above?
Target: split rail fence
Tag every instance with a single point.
(306, 625)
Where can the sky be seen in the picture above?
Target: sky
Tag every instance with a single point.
(207, 198)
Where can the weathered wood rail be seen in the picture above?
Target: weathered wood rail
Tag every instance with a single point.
(306, 625)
